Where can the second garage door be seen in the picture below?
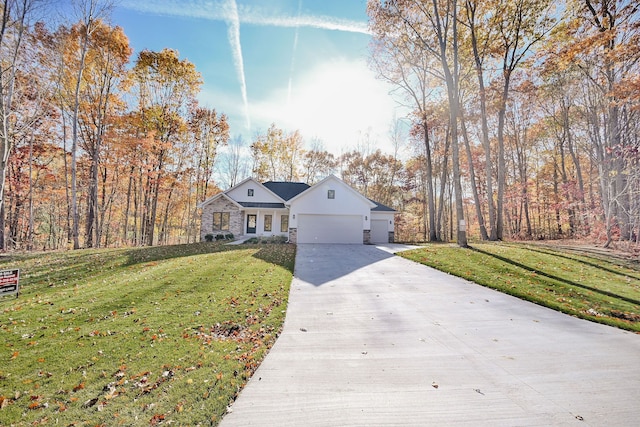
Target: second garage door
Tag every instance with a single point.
(346, 229)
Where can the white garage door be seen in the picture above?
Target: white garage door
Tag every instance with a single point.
(379, 231)
(345, 229)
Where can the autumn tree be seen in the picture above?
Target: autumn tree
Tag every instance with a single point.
(232, 163)
(17, 16)
(318, 164)
(431, 28)
(276, 155)
(606, 48)
(165, 87)
(90, 12)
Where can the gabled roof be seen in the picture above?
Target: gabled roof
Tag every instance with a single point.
(381, 208)
(340, 182)
(216, 197)
(286, 190)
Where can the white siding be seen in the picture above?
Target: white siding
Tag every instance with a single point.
(260, 193)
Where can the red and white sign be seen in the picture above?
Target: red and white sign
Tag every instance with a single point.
(9, 282)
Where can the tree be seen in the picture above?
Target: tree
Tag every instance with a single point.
(432, 29)
(166, 86)
(318, 164)
(520, 25)
(16, 16)
(276, 155)
(232, 164)
(90, 12)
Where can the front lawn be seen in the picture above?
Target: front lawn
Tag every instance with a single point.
(596, 288)
(138, 336)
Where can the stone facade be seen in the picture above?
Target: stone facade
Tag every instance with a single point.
(236, 218)
(366, 237)
(392, 237)
(293, 235)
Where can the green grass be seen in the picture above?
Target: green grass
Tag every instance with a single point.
(138, 336)
(597, 288)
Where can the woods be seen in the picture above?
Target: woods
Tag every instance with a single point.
(540, 98)
(523, 124)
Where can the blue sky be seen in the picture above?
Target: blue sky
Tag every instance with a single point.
(301, 64)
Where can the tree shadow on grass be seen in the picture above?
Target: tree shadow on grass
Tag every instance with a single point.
(585, 262)
(556, 278)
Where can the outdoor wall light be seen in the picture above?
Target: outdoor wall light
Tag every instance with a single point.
(294, 216)
(366, 218)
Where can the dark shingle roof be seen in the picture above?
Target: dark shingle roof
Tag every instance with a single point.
(286, 190)
(262, 205)
(381, 208)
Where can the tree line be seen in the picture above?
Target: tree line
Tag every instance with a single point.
(96, 152)
(523, 124)
(526, 112)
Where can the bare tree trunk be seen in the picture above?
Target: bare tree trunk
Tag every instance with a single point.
(472, 176)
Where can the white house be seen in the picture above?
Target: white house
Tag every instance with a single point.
(328, 212)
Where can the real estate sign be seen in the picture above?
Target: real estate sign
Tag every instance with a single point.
(9, 282)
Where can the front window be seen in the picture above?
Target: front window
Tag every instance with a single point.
(267, 222)
(221, 221)
(284, 223)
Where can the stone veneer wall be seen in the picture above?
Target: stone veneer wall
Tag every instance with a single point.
(293, 235)
(366, 237)
(392, 237)
(236, 218)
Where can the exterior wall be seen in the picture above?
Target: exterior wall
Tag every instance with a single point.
(236, 218)
(276, 215)
(260, 193)
(315, 201)
(388, 216)
(293, 235)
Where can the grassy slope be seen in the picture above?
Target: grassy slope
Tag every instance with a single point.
(586, 286)
(138, 336)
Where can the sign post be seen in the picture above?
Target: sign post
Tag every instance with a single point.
(9, 282)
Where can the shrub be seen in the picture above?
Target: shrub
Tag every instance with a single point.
(219, 236)
(208, 237)
(229, 236)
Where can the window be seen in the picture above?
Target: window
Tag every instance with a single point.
(284, 223)
(250, 192)
(221, 221)
(267, 223)
(331, 194)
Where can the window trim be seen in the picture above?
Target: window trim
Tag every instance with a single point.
(222, 222)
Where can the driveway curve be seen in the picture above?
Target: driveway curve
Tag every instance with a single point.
(372, 339)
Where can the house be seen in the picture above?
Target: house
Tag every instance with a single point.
(327, 212)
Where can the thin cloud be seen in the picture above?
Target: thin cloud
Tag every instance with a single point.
(233, 32)
(219, 11)
(293, 55)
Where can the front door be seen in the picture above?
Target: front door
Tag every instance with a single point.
(251, 224)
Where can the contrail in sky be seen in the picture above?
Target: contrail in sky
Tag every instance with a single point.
(217, 11)
(293, 55)
(233, 31)
(229, 12)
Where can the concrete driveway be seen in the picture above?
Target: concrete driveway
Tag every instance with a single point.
(372, 339)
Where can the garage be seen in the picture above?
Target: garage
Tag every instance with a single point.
(379, 231)
(344, 229)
